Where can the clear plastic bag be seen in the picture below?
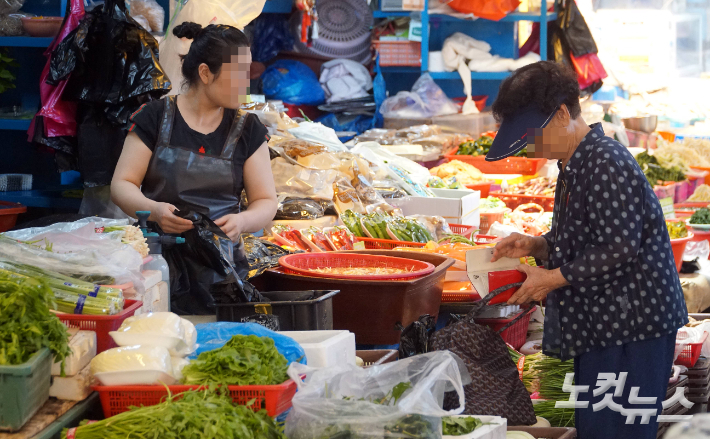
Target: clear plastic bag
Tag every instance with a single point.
(153, 13)
(158, 329)
(10, 6)
(426, 99)
(214, 335)
(293, 180)
(11, 24)
(340, 400)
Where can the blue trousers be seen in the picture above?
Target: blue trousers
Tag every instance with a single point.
(648, 364)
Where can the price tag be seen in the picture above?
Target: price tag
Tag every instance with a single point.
(667, 207)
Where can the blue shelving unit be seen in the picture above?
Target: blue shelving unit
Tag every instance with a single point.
(501, 35)
(15, 124)
(25, 42)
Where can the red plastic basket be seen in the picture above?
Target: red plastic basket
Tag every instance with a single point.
(387, 244)
(459, 296)
(9, 213)
(275, 399)
(102, 325)
(516, 334)
(515, 200)
(488, 218)
(302, 263)
(399, 53)
(485, 188)
(691, 352)
(463, 230)
(510, 165)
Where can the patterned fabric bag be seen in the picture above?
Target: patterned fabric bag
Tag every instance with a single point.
(496, 388)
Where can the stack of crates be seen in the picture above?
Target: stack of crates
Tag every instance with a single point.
(677, 408)
(699, 385)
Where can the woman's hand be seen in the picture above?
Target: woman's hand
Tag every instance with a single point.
(520, 246)
(231, 225)
(168, 221)
(538, 285)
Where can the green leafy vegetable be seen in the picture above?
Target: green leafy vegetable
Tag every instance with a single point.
(194, 414)
(701, 216)
(243, 360)
(26, 324)
(7, 79)
(655, 172)
(452, 426)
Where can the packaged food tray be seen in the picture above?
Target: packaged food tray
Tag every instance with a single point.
(386, 304)
(389, 244)
(275, 399)
(514, 200)
(102, 325)
(376, 357)
(509, 165)
(24, 389)
(690, 353)
(296, 310)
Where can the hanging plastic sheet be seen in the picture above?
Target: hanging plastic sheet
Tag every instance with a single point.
(57, 117)
(237, 13)
(488, 9)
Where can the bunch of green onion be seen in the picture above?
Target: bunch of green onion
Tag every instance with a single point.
(68, 291)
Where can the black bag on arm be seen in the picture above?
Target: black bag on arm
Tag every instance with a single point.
(495, 388)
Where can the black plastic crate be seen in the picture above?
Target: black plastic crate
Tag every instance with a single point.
(309, 310)
(682, 382)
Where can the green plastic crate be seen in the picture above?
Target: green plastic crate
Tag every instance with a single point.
(24, 389)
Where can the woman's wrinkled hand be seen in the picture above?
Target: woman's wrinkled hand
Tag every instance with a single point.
(538, 284)
(514, 246)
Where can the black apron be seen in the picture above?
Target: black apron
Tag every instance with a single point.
(201, 183)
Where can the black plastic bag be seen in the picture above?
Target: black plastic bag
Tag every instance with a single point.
(299, 209)
(415, 337)
(261, 254)
(574, 29)
(111, 59)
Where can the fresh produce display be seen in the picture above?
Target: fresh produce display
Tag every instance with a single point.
(452, 426)
(70, 295)
(492, 204)
(677, 229)
(192, 414)
(701, 194)
(132, 236)
(701, 216)
(656, 171)
(530, 223)
(26, 323)
(690, 156)
(290, 237)
(544, 186)
(557, 417)
(341, 237)
(482, 145)
(383, 226)
(455, 239)
(243, 360)
(464, 173)
(358, 271)
(318, 239)
(412, 186)
(444, 183)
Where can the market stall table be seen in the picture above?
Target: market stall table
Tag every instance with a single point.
(55, 415)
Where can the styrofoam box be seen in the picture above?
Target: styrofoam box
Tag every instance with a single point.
(496, 428)
(72, 388)
(461, 208)
(83, 349)
(325, 348)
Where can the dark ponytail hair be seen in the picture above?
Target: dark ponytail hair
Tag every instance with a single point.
(209, 46)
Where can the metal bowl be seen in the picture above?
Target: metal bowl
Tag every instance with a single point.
(645, 124)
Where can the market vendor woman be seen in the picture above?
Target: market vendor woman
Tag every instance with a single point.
(196, 152)
(614, 300)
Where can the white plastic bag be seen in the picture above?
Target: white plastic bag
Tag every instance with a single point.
(426, 99)
(340, 399)
(318, 133)
(237, 13)
(133, 365)
(294, 180)
(164, 329)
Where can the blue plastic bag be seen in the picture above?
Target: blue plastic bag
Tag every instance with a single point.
(292, 82)
(214, 335)
(271, 36)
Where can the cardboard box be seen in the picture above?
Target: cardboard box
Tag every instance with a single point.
(460, 208)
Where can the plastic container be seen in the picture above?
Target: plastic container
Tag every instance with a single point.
(479, 100)
(377, 356)
(516, 334)
(325, 348)
(463, 230)
(373, 309)
(690, 353)
(304, 263)
(24, 389)
(484, 239)
(548, 432)
(473, 124)
(296, 310)
(700, 168)
(686, 210)
(387, 244)
(42, 26)
(678, 246)
(510, 165)
(399, 53)
(494, 427)
(488, 218)
(275, 399)
(514, 200)
(102, 325)
(9, 213)
(484, 188)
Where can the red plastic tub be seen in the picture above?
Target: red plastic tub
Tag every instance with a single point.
(304, 263)
(9, 213)
(678, 246)
(102, 325)
(275, 399)
(510, 165)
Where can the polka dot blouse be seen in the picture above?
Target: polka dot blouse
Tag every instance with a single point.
(610, 241)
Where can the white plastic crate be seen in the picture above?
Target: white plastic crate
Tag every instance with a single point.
(325, 348)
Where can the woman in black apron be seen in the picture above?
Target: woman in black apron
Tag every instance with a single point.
(196, 152)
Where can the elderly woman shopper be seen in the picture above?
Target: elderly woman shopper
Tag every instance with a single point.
(613, 298)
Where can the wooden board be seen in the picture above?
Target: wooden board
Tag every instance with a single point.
(50, 411)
